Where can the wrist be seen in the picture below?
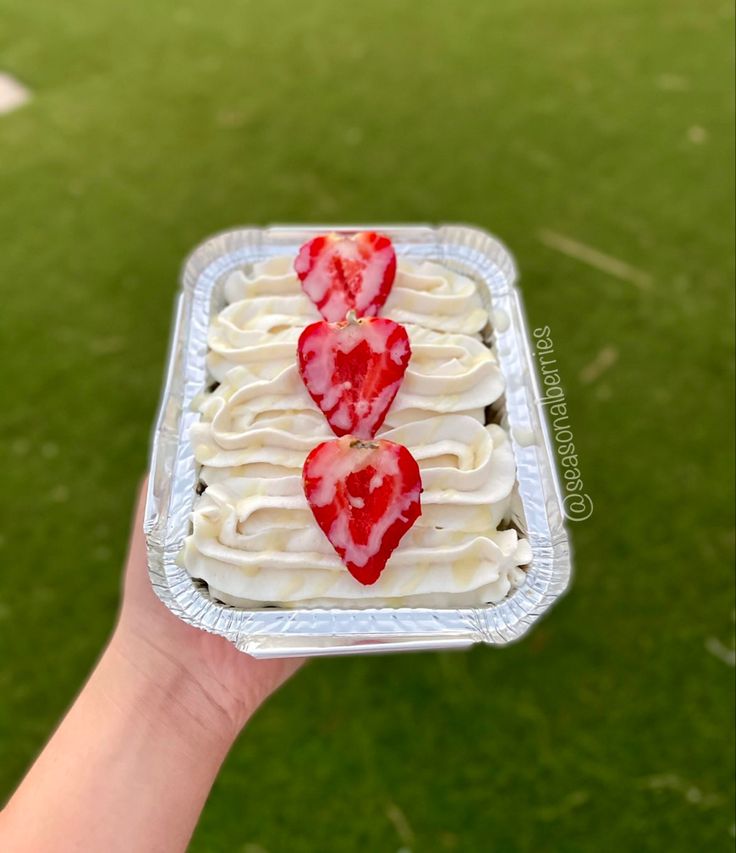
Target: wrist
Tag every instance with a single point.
(147, 682)
(135, 756)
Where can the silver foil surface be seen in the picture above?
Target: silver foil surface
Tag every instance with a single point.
(274, 632)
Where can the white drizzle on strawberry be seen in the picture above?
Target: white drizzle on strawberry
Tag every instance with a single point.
(353, 370)
(365, 496)
(340, 273)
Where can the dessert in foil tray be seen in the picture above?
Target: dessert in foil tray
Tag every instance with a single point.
(349, 449)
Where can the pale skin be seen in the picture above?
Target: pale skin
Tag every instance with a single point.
(132, 763)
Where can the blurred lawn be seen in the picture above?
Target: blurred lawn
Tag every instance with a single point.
(155, 124)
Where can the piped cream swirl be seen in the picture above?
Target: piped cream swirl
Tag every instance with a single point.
(254, 539)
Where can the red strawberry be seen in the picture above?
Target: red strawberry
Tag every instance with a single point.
(340, 273)
(353, 370)
(364, 496)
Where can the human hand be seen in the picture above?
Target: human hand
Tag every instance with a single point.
(214, 682)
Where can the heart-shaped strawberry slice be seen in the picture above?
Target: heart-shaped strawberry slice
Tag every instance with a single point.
(364, 496)
(353, 370)
(340, 273)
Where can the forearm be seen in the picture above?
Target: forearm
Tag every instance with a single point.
(129, 768)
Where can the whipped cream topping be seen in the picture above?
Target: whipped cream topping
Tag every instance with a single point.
(254, 539)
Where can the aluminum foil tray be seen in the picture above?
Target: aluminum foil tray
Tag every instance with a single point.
(274, 632)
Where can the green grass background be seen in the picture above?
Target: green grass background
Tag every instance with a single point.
(154, 124)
